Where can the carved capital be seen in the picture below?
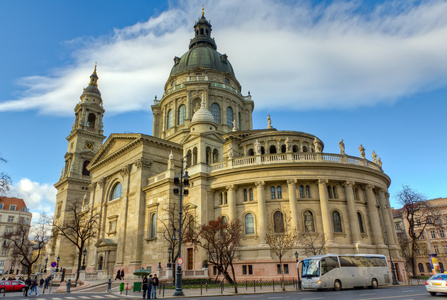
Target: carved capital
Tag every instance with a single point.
(291, 181)
(143, 163)
(231, 187)
(102, 182)
(126, 170)
(259, 183)
(348, 183)
(369, 186)
(92, 186)
(323, 181)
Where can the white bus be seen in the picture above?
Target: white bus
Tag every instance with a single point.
(333, 271)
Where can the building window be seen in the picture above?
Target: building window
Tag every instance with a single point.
(247, 269)
(418, 222)
(215, 111)
(117, 191)
(278, 192)
(4, 252)
(245, 195)
(307, 191)
(251, 194)
(2, 263)
(421, 267)
(329, 191)
(336, 221)
(273, 192)
(112, 226)
(283, 149)
(359, 217)
(445, 248)
(84, 168)
(441, 233)
(278, 222)
(285, 266)
(181, 114)
(272, 149)
(153, 229)
(356, 194)
(223, 220)
(1, 205)
(10, 219)
(436, 249)
(428, 267)
(433, 235)
(221, 198)
(169, 120)
(249, 224)
(309, 221)
(295, 148)
(301, 191)
(12, 207)
(229, 116)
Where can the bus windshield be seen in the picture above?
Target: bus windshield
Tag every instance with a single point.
(311, 268)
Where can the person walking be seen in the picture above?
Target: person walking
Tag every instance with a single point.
(154, 286)
(118, 275)
(122, 274)
(149, 287)
(41, 282)
(145, 287)
(34, 285)
(27, 286)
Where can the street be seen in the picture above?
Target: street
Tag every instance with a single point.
(399, 292)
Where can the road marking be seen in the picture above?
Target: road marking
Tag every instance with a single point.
(313, 298)
(97, 297)
(275, 297)
(392, 297)
(70, 298)
(84, 297)
(367, 294)
(407, 291)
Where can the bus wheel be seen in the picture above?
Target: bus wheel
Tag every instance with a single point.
(337, 285)
(374, 284)
(433, 293)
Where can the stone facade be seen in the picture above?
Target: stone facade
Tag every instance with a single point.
(235, 171)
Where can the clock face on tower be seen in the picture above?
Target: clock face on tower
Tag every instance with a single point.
(89, 145)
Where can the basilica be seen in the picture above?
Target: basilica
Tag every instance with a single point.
(203, 125)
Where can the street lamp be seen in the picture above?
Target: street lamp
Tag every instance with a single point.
(169, 257)
(180, 182)
(57, 263)
(46, 262)
(298, 270)
(83, 261)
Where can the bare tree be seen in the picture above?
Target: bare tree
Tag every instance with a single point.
(221, 240)
(22, 248)
(5, 179)
(281, 237)
(419, 214)
(312, 242)
(78, 227)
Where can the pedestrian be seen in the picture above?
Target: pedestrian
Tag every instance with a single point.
(122, 274)
(154, 286)
(118, 275)
(47, 281)
(144, 286)
(27, 286)
(34, 285)
(149, 287)
(41, 282)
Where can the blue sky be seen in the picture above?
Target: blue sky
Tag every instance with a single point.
(369, 72)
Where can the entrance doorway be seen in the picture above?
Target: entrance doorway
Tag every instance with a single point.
(190, 259)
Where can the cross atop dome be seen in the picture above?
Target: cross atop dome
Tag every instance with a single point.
(202, 29)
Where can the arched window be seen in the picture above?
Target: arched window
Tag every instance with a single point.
(215, 155)
(301, 191)
(283, 149)
(359, 217)
(251, 152)
(429, 269)
(224, 220)
(336, 221)
(221, 199)
(278, 222)
(245, 195)
(208, 155)
(334, 191)
(117, 191)
(272, 149)
(153, 230)
(307, 191)
(215, 111)
(169, 119)
(91, 120)
(421, 267)
(188, 158)
(194, 156)
(309, 221)
(249, 224)
(441, 267)
(278, 192)
(84, 168)
(329, 191)
(262, 150)
(181, 114)
(304, 148)
(295, 148)
(229, 116)
(100, 262)
(251, 194)
(273, 192)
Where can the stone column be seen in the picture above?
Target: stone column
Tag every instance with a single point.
(373, 216)
(324, 206)
(232, 202)
(386, 217)
(293, 203)
(262, 227)
(122, 230)
(352, 212)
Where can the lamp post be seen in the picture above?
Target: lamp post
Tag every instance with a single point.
(57, 263)
(298, 270)
(393, 268)
(83, 260)
(169, 257)
(46, 262)
(180, 182)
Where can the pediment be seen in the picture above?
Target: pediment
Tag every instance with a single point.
(115, 143)
(212, 136)
(105, 243)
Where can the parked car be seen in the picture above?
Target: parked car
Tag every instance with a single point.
(12, 286)
(436, 284)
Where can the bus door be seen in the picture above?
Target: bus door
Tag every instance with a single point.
(329, 270)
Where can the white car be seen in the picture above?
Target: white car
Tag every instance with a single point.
(436, 284)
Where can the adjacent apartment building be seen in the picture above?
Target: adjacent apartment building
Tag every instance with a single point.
(12, 212)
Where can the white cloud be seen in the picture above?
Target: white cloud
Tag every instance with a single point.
(39, 198)
(300, 56)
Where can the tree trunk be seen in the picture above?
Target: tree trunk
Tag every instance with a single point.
(282, 274)
(79, 266)
(234, 276)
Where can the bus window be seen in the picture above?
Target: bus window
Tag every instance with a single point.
(310, 268)
(328, 263)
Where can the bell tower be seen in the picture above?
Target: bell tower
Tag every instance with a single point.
(84, 141)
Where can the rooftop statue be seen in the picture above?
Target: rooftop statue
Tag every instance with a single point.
(362, 151)
(342, 147)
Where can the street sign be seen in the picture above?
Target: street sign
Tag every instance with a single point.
(53, 264)
(180, 261)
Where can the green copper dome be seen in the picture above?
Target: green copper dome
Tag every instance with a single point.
(202, 52)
